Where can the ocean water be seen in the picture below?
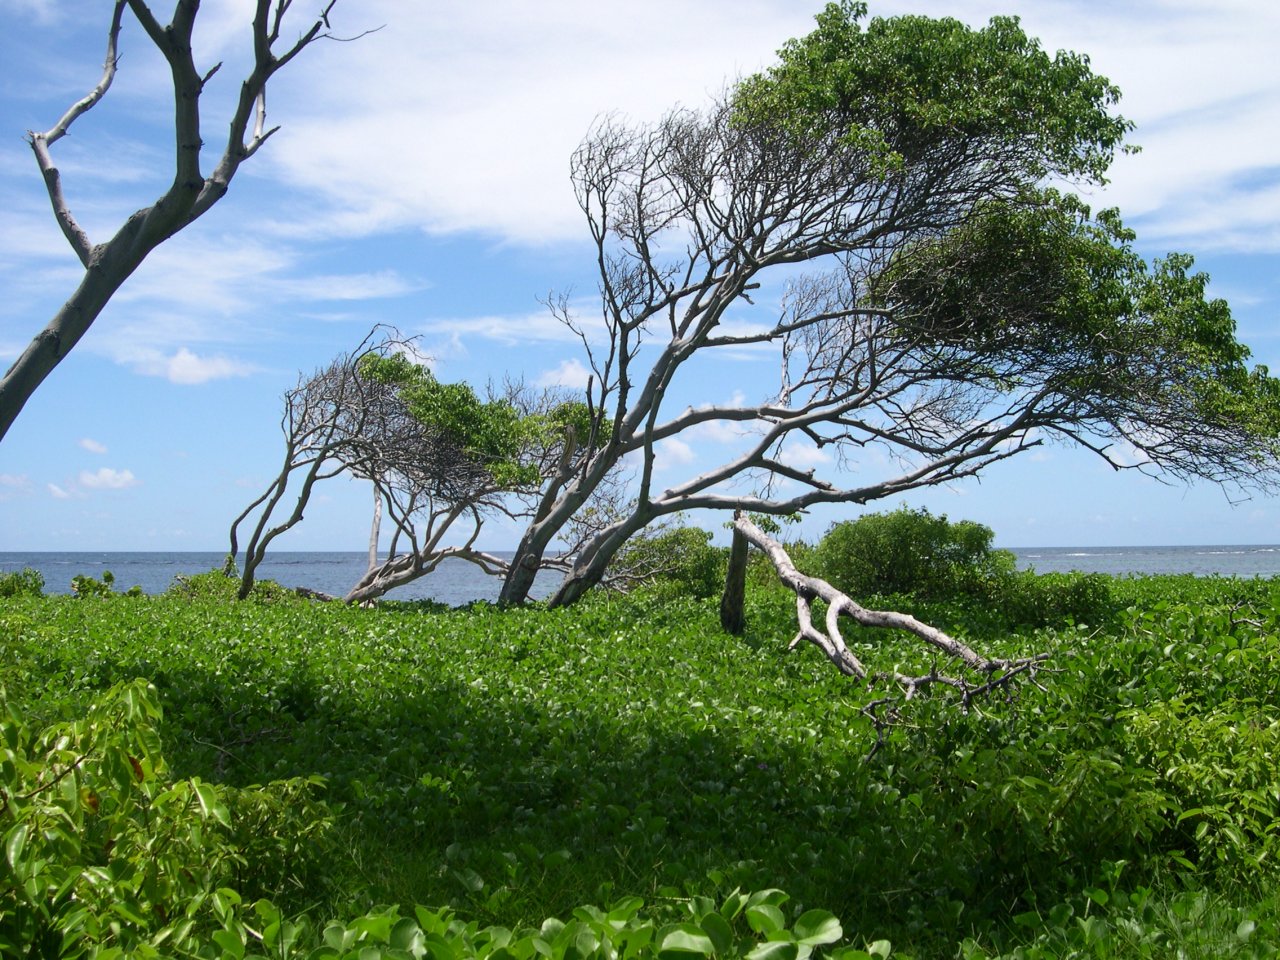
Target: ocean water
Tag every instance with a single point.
(454, 581)
(458, 582)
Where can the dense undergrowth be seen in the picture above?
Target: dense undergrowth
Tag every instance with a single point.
(506, 766)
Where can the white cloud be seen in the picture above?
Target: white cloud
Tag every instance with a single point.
(510, 329)
(185, 367)
(105, 478)
(802, 456)
(58, 493)
(674, 452)
(453, 101)
(480, 123)
(570, 373)
(93, 446)
(12, 485)
(44, 11)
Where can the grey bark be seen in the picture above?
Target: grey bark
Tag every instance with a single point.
(733, 613)
(108, 265)
(986, 673)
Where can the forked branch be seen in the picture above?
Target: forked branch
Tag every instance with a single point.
(40, 142)
(986, 674)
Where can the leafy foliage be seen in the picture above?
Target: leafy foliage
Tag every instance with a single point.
(907, 552)
(26, 582)
(914, 555)
(494, 431)
(83, 585)
(103, 849)
(900, 87)
(681, 560)
(511, 765)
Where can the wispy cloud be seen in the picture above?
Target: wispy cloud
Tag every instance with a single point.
(672, 453)
(58, 493)
(570, 373)
(105, 478)
(12, 485)
(803, 456)
(510, 329)
(93, 446)
(187, 368)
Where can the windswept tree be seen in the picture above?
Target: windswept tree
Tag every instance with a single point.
(953, 309)
(441, 460)
(108, 264)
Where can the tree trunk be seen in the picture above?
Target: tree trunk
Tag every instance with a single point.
(593, 560)
(733, 614)
(375, 530)
(108, 269)
(524, 569)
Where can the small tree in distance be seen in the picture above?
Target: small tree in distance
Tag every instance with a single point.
(441, 460)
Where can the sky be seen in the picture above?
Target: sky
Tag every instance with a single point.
(420, 179)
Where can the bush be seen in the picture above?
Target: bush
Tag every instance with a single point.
(909, 552)
(22, 583)
(932, 559)
(220, 587)
(1025, 598)
(103, 852)
(681, 559)
(83, 585)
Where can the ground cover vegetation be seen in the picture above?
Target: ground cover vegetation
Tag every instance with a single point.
(286, 770)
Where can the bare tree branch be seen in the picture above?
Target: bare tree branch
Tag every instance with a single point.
(993, 673)
(109, 264)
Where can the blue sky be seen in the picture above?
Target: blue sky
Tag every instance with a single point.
(420, 179)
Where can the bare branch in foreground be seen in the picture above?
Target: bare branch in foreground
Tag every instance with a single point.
(992, 673)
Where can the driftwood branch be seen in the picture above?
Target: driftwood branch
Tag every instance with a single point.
(985, 674)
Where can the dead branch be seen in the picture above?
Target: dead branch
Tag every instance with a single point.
(992, 673)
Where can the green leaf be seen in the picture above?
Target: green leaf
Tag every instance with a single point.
(718, 929)
(211, 804)
(686, 938)
(775, 950)
(765, 918)
(817, 927)
(231, 943)
(15, 843)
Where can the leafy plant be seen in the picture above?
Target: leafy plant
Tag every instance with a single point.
(26, 582)
(105, 854)
(908, 551)
(679, 558)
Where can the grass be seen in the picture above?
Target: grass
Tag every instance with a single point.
(514, 765)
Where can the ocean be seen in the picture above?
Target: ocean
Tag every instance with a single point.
(456, 582)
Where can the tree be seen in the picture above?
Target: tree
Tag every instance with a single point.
(441, 459)
(109, 264)
(956, 312)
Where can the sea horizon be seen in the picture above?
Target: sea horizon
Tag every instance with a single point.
(458, 582)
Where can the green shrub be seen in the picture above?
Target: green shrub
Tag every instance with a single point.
(22, 583)
(83, 585)
(221, 587)
(908, 552)
(105, 854)
(1025, 598)
(679, 559)
(932, 559)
